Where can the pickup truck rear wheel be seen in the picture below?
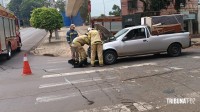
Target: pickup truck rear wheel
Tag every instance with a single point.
(110, 57)
(174, 50)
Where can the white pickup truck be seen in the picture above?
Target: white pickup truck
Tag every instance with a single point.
(138, 40)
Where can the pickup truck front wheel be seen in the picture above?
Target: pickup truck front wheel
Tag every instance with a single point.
(110, 57)
(174, 50)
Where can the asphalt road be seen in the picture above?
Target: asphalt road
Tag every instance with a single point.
(30, 37)
(137, 84)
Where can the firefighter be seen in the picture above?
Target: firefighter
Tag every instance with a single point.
(96, 46)
(71, 35)
(78, 44)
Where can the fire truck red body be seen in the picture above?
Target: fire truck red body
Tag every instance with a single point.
(9, 33)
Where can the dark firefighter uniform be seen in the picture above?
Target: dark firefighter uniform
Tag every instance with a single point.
(71, 35)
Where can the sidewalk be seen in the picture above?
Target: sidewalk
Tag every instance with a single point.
(57, 47)
(196, 41)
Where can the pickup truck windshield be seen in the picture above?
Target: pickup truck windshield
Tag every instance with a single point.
(119, 33)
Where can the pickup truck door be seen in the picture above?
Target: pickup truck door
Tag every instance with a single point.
(135, 42)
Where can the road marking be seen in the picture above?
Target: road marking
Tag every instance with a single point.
(46, 99)
(74, 82)
(57, 62)
(143, 106)
(55, 69)
(112, 108)
(194, 71)
(196, 57)
(193, 95)
(50, 60)
(99, 70)
(176, 68)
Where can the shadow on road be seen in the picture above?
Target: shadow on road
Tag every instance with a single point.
(3, 58)
(153, 57)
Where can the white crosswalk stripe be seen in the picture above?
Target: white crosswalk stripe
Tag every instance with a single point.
(62, 97)
(196, 57)
(98, 70)
(75, 82)
(140, 106)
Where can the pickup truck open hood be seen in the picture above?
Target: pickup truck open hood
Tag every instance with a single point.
(105, 33)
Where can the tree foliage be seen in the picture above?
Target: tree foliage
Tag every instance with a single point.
(26, 8)
(46, 18)
(155, 5)
(116, 10)
(14, 6)
(102, 16)
(23, 8)
(60, 4)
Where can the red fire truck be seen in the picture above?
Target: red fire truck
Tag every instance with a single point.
(9, 33)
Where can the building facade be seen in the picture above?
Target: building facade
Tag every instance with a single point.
(135, 6)
(190, 11)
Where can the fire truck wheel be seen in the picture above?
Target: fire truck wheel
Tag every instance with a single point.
(9, 52)
(18, 49)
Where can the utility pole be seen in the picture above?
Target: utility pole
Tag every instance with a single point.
(89, 12)
(104, 7)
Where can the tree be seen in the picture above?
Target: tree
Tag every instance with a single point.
(102, 15)
(22, 8)
(60, 4)
(14, 6)
(155, 5)
(46, 18)
(116, 10)
(26, 8)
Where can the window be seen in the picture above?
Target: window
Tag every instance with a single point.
(132, 4)
(136, 34)
(11, 27)
(121, 32)
(1, 28)
(14, 27)
(7, 27)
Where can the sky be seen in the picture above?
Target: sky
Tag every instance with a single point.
(98, 6)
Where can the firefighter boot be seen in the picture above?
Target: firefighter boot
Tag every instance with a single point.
(71, 61)
(81, 64)
(85, 62)
(76, 64)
